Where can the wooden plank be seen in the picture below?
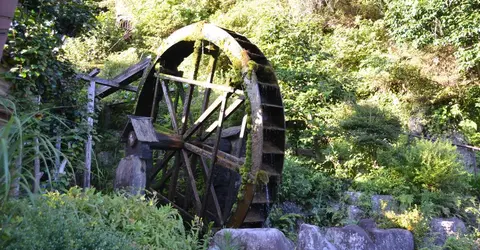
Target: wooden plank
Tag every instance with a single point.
(122, 80)
(173, 183)
(161, 164)
(222, 154)
(212, 191)
(89, 144)
(143, 128)
(228, 113)
(224, 162)
(171, 109)
(191, 177)
(215, 152)
(205, 115)
(201, 84)
(108, 83)
(156, 99)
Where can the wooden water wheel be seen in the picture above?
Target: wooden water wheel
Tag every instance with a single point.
(209, 123)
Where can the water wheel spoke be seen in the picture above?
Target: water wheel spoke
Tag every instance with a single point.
(207, 85)
(215, 151)
(229, 111)
(161, 164)
(213, 67)
(174, 178)
(171, 109)
(218, 210)
(223, 159)
(191, 181)
(203, 117)
(156, 99)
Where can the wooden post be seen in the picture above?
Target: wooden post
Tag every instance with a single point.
(58, 146)
(88, 146)
(36, 161)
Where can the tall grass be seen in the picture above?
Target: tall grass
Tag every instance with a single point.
(21, 143)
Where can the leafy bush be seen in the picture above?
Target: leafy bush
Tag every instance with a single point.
(438, 22)
(371, 128)
(133, 221)
(312, 189)
(41, 227)
(427, 165)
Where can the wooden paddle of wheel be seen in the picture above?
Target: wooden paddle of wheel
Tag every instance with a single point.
(213, 103)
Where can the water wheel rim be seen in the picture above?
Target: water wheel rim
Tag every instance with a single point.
(171, 54)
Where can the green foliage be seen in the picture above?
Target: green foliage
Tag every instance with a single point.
(441, 23)
(312, 189)
(42, 227)
(427, 165)
(371, 128)
(123, 222)
(461, 243)
(92, 48)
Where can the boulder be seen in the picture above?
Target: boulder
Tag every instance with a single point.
(441, 229)
(353, 197)
(354, 213)
(353, 237)
(392, 239)
(130, 175)
(367, 224)
(251, 239)
(310, 237)
(382, 203)
(349, 237)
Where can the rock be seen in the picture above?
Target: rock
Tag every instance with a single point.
(311, 238)
(441, 229)
(466, 155)
(415, 126)
(130, 175)
(349, 237)
(251, 239)
(367, 224)
(354, 197)
(354, 237)
(392, 239)
(382, 203)
(354, 213)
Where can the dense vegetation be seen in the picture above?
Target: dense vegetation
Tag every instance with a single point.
(360, 75)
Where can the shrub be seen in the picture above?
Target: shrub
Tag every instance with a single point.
(312, 189)
(438, 22)
(77, 215)
(427, 165)
(42, 227)
(371, 128)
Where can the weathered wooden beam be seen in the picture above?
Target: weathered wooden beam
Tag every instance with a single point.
(222, 158)
(121, 81)
(171, 109)
(191, 180)
(234, 106)
(167, 142)
(204, 116)
(173, 181)
(221, 117)
(201, 84)
(89, 145)
(161, 164)
(212, 191)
